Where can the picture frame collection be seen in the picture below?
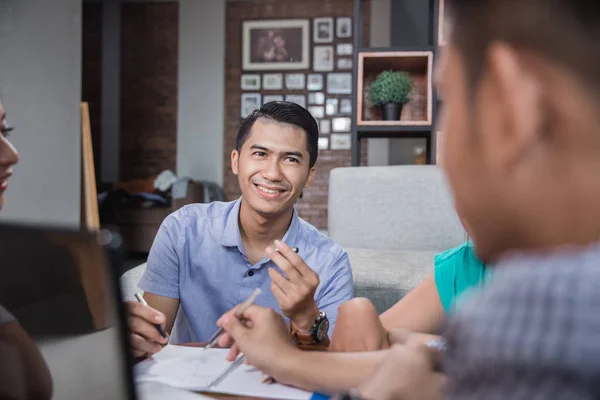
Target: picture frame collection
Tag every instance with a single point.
(308, 62)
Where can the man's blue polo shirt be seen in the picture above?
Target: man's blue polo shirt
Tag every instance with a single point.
(198, 257)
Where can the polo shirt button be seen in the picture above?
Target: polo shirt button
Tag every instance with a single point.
(250, 273)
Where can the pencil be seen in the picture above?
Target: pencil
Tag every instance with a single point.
(159, 328)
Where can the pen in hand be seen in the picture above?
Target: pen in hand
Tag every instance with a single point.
(159, 328)
(239, 311)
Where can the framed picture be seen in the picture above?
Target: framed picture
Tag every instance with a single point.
(339, 83)
(346, 106)
(316, 98)
(322, 30)
(294, 81)
(323, 58)
(325, 126)
(340, 141)
(250, 82)
(343, 27)
(250, 102)
(340, 124)
(323, 143)
(272, 81)
(344, 63)
(299, 99)
(331, 106)
(281, 44)
(314, 82)
(317, 111)
(267, 98)
(344, 49)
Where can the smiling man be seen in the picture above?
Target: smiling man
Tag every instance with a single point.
(207, 258)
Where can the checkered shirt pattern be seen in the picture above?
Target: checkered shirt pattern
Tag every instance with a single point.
(532, 333)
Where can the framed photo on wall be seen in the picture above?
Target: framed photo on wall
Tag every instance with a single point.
(272, 81)
(346, 106)
(294, 81)
(299, 99)
(339, 83)
(344, 63)
(281, 44)
(325, 126)
(314, 82)
(317, 111)
(331, 106)
(323, 58)
(250, 102)
(323, 143)
(340, 141)
(267, 98)
(344, 49)
(341, 124)
(250, 82)
(322, 30)
(343, 27)
(316, 98)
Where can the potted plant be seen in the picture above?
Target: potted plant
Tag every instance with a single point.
(391, 90)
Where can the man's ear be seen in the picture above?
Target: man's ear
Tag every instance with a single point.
(235, 159)
(310, 177)
(519, 93)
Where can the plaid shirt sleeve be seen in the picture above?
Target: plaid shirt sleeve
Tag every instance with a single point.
(533, 333)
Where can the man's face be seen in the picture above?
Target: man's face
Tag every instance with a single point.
(272, 166)
(8, 155)
(472, 125)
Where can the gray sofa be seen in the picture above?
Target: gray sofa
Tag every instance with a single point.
(391, 221)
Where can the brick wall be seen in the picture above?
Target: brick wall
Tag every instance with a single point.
(313, 206)
(91, 71)
(149, 58)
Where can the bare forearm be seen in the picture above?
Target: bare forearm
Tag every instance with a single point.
(327, 372)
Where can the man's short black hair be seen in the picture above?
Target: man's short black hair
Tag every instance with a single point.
(563, 31)
(288, 113)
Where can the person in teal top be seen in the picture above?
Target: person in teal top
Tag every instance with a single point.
(424, 309)
(455, 271)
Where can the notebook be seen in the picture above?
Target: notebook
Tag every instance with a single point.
(193, 368)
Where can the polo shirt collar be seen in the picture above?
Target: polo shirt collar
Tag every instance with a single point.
(233, 238)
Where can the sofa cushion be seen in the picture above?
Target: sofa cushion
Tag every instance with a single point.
(385, 276)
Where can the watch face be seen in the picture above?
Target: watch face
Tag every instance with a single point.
(322, 329)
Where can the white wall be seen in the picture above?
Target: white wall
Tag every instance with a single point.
(200, 124)
(40, 84)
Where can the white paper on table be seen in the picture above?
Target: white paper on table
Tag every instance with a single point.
(193, 368)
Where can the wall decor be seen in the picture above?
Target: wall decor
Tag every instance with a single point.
(339, 83)
(346, 106)
(323, 58)
(325, 126)
(281, 44)
(294, 81)
(322, 30)
(272, 81)
(317, 111)
(323, 143)
(331, 106)
(344, 63)
(250, 102)
(340, 141)
(250, 82)
(316, 98)
(299, 99)
(314, 82)
(344, 49)
(340, 124)
(343, 27)
(267, 98)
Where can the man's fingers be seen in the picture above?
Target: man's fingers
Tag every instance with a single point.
(280, 281)
(145, 312)
(296, 261)
(233, 353)
(141, 345)
(286, 266)
(225, 340)
(145, 329)
(278, 293)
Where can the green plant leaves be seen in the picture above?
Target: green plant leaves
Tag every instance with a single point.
(390, 87)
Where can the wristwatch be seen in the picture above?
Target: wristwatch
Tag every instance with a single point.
(316, 333)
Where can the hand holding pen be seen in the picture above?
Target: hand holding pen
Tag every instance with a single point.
(146, 328)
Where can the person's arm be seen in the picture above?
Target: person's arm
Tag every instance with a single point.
(37, 380)
(420, 310)
(160, 283)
